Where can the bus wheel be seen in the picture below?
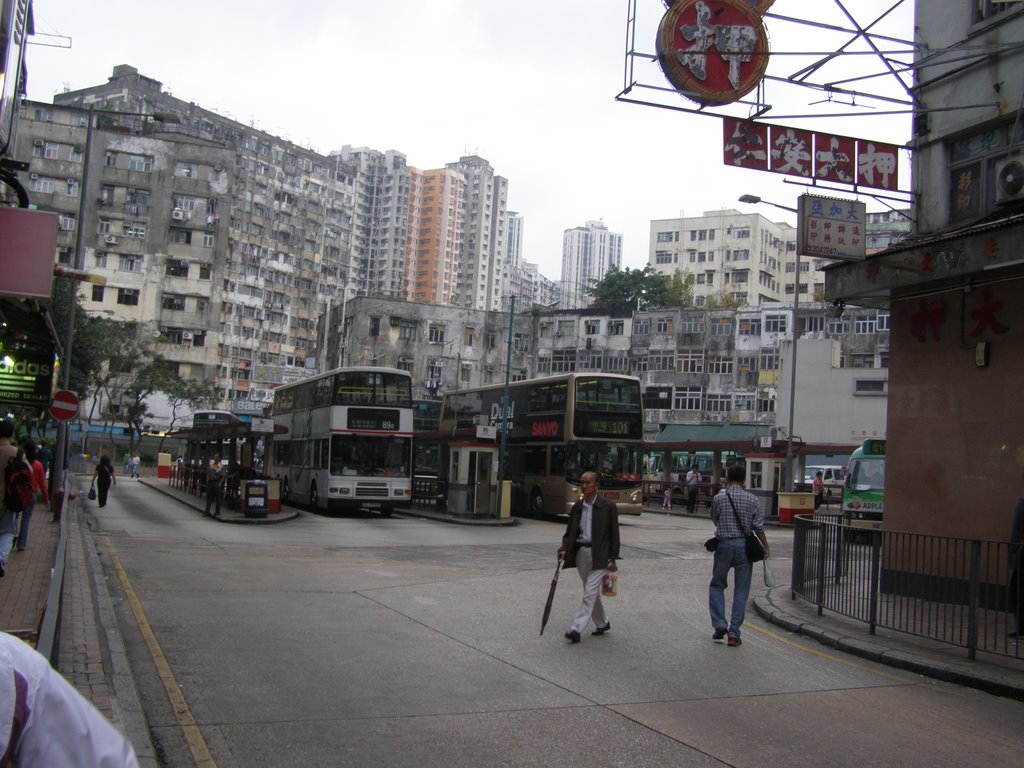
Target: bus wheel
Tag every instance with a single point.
(314, 498)
(537, 503)
(386, 512)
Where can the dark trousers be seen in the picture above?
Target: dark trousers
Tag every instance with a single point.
(691, 501)
(213, 497)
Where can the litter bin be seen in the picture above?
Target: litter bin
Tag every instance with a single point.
(255, 498)
(793, 504)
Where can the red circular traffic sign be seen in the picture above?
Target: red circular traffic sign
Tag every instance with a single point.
(64, 406)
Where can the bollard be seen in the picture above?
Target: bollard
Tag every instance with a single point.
(57, 504)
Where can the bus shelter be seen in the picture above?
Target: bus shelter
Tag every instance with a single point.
(241, 445)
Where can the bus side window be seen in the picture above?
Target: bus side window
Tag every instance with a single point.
(558, 460)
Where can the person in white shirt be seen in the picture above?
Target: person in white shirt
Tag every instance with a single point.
(45, 722)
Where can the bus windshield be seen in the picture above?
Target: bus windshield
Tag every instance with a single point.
(867, 474)
(370, 456)
(614, 462)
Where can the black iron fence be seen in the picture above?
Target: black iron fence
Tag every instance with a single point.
(957, 591)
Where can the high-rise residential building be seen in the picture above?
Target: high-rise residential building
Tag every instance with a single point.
(588, 254)
(483, 273)
(229, 242)
(380, 218)
(435, 235)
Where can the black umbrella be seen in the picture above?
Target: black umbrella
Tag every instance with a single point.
(551, 598)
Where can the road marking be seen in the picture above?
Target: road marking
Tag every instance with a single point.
(853, 665)
(193, 735)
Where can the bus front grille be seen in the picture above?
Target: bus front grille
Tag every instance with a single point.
(372, 490)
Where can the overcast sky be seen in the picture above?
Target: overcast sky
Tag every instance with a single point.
(528, 85)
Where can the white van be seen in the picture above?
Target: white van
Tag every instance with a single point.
(833, 475)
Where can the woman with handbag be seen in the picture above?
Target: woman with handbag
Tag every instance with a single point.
(103, 478)
(737, 516)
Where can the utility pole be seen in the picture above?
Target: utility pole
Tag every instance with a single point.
(505, 420)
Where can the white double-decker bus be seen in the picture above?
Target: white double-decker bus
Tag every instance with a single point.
(349, 440)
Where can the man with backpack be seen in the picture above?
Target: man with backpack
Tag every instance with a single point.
(8, 517)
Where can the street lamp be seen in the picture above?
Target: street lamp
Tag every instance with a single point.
(61, 449)
(754, 199)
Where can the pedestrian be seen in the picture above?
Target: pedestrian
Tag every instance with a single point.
(818, 489)
(39, 491)
(666, 501)
(103, 477)
(45, 456)
(133, 465)
(1017, 570)
(733, 511)
(693, 480)
(214, 486)
(8, 518)
(591, 543)
(45, 721)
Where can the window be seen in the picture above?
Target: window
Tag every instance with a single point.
(563, 360)
(750, 326)
(176, 268)
(882, 321)
(134, 229)
(205, 271)
(864, 325)
(741, 233)
(173, 301)
(664, 257)
(616, 327)
(743, 402)
(140, 163)
(66, 222)
(668, 237)
(374, 330)
(129, 263)
(181, 236)
(862, 360)
(208, 240)
(520, 342)
(687, 399)
(129, 296)
(592, 327)
(184, 169)
(468, 336)
(694, 324)
(769, 359)
(765, 404)
(720, 365)
(876, 387)
(407, 330)
(690, 362)
(617, 363)
(663, 325)
(775, 323)
(639, 363)
(839, 326)
(661, 361)
(42, 184)
(97, 293)
(718, 403)
(721, 326)
(812, 323)
(642, 327)
(435, 333)
(746, 364)
(100, 259)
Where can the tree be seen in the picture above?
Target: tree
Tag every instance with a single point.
(629, 289)
(680, 289)
(181, 393)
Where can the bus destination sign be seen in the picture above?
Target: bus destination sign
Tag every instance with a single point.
(373, 419)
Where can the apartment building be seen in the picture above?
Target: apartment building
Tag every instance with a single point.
(588, 254)
(437, 211)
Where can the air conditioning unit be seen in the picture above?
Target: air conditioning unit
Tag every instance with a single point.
(177, 214)
(110, 239)
(33, 176)
(186, 335)
(1010, 180)
(38, 143)
(77, 149)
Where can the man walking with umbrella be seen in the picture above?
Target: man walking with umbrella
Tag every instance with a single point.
(591, 543)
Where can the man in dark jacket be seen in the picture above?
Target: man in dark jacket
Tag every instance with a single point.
(591, 543)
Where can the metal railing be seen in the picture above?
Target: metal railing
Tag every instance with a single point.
(952, 590)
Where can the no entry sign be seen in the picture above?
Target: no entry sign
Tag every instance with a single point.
(64, 406)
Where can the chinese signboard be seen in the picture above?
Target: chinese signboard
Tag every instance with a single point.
(713, 51)
(819, 156)
(831, 228)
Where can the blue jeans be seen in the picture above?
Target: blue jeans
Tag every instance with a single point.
(731, 553)
(26, 517)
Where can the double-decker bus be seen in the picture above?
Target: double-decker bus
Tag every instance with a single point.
(864, 489)
(349, 439)
(558, 428)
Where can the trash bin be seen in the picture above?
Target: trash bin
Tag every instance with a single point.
(793, 504)
(255, 498)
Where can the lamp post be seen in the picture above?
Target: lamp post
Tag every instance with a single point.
(754, 199)
(505, 420)
(61, 449)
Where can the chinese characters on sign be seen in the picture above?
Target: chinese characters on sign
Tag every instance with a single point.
(713, 51)
(823, 156)
(832, 228)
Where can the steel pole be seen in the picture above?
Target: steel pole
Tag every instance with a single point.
(503, 444)
(63, 427)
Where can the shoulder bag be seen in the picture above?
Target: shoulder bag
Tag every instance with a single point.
(755, 549)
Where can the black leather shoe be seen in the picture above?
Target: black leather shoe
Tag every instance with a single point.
(572, 636)
(602, 630)
(719, 633)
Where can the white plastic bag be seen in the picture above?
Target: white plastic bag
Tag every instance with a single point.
(769, 577)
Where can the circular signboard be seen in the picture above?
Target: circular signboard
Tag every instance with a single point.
(64, 406)
(714, 52)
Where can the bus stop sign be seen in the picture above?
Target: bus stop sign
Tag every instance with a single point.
(64, 406)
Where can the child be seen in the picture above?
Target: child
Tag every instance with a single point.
(667, 499)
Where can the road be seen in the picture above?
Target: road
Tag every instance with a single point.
(360, 641)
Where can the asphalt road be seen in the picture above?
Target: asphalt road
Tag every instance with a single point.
(360, 641)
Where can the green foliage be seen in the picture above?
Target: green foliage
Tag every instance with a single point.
(680, 288)
(625, 290)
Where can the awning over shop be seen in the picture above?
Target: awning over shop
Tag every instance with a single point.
(740, 437)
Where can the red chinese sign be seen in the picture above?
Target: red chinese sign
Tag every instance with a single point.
(823, 156)
(713, 51)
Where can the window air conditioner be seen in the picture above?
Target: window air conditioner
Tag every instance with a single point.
(110, 239)
(177, 214)
(1010, 180)
(186, 335)
(33, 176)
(37, 143)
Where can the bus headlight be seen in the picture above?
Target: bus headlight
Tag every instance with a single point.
(636, 496)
